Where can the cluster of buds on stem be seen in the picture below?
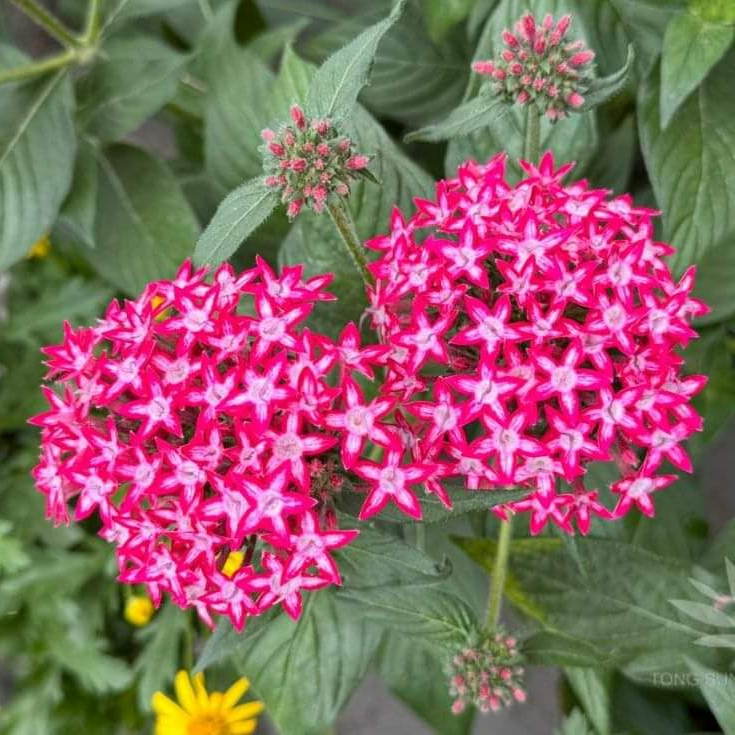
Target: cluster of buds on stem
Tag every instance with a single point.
(309, 161)
(537, 67)
(488, 675)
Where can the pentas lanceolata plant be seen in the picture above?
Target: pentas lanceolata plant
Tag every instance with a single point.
(193, 427)
(310, 162)
(534, 329)
(539, 67)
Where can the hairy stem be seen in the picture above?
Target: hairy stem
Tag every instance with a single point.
(36, 68)
(500, 570)
(52, 25)
(94, 22)
(206, 9)
(421, 537)
(340, 214)
(532, 141)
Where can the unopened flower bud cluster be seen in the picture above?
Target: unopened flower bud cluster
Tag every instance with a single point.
(309, 161)
(538, 67)
(488, 676)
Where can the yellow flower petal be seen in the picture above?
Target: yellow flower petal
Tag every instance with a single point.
(163, 706)
(185, 692)
(245, 711)
(235, 692)
(243, 728)
(201, 690)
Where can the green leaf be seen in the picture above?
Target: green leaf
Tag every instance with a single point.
(463, 501)
(292, 84)
(718, 688)
(465, 119)
(306, 671)
(612, 167)
(340, 79)
(235, 113)
(144, 226)
(77, 216)
(601, 90)
(12, 556)
(158, 662)
(37, 148)
(312, 240)
(691, 48)
(707, 614)
(687, 163)
(713, 11)
(547, 648)
(122, 11)
(236, 218)
(415, 674)
(575, 724)
(131, 82)
(414, 80)
(441, 15)
(592, 688)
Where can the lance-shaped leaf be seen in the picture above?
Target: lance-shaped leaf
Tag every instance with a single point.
(465, 119)
(37, 148)
(601, 90)
(240, 213)
(342, 76)
(718, 688)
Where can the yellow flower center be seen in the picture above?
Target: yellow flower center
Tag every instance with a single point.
(208, 724)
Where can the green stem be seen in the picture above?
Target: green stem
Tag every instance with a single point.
(52, 25)
(36, 68)
(94, 23)
(187, 653)
(532, 142)
(500, 570)
(340, 214)
(420, 536)
(206, 9)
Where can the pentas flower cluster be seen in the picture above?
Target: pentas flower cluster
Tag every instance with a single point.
(201, 429)
(533, 329)
(488, 676)
(309, 161)
(538, 67)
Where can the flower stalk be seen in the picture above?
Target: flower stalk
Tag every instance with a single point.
(532, 138)
(500, 572)
(345, 225)
(52, 25)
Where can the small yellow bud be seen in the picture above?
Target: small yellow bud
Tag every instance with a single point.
(41, 248)
(233, 563)
(139, 610)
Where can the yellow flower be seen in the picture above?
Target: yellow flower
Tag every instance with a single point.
(138, 610)
(201, 713)
(41, 248)
(233, 563)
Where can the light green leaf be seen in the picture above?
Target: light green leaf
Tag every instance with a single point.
(575, 724)
(687, 163)
(465, 119)
(441, 15)
(547, 648)
(235, 113)
(158, 662)
(236, 218)
(691, 48)
(718, 688)
(122, 11)
(713, 11)
(415, 674)
(77, 216)
(305, 672)
(37, 148)
(132, 81)
(601, 90)
(144, 227)
(592, 688)
(292, 84)
(707, 614)
(340, 79)
(12, 556)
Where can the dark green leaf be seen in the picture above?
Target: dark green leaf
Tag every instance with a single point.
(144, 227)
(76, 219)
(687, 163)
(575, 724)
(718, 688)
(236, 218)
(601, 90)
(464, 120)
(134, 79)
(340, 79)
(441, 15)
(37, 148)
(592, 689)
(691, 48)
(547, 648)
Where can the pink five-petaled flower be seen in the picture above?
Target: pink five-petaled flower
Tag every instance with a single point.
(563, 351)
(198, 420)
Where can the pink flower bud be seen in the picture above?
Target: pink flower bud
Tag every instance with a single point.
(294, 208)
(510, 39)
(307, 148)
(575, 99)
(519, 695)
(297, 115)
(494, 704)
(297, 164)
(499, 74)
(581, 58)
(358, 162)
(516, 69)
(548, 22)
(289, 139)
(538, 84)
(563, 24)
(539, 45)
(344, 145)
(343, 190)
(524, 98)
(319, 164)
(458, 707)
(508, 55)
(268, 135)
(528, 27)
(319, 193)
(272, 182)
(322, 149)
(276, 149)
(483, 67)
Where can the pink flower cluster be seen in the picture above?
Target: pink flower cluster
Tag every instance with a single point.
(199, 419)
(488, 676)
(533, 329)
(537, 67)
(310, 162)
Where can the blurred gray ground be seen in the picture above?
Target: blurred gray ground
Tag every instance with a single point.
(373, 709)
